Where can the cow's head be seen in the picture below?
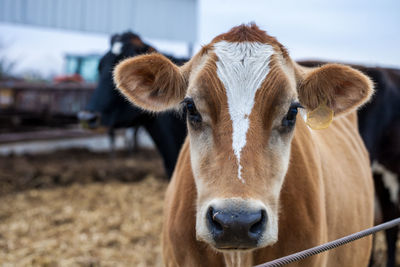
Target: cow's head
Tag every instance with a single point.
(242, 93)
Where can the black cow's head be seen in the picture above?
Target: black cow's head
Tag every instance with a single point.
(107, 107)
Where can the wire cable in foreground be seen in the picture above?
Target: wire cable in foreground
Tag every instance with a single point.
(330, 245)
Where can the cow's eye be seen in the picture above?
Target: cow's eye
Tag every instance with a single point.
(193, 115)
(290, 119)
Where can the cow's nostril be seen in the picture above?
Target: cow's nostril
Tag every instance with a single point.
(259, 224)
(215, 225)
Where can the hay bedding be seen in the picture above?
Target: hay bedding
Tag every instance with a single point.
(82, 222)
(76, 208)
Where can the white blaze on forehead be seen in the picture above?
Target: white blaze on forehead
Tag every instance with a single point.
(241, 67)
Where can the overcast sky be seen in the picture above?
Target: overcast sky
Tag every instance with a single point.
(362, 31)
(366, 32)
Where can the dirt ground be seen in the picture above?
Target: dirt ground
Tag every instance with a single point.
(76, 208)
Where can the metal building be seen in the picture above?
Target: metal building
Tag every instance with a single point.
(162, 19)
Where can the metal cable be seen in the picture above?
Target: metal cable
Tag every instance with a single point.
(330, 245)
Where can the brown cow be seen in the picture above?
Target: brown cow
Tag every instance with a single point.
(251, 184)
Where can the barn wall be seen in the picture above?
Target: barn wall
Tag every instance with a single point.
(161, 19)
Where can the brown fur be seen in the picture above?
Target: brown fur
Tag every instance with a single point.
(327, 190)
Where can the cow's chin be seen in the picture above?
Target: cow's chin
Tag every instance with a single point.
(243, 249)
(265, 242)
(266, 235)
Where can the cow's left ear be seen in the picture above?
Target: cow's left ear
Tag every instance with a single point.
(342, 88)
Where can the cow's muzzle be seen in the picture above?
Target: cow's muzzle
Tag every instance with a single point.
(236, 227)
(88, 119)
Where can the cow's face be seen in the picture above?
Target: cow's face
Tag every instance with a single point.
(241, 93)
(241, 104)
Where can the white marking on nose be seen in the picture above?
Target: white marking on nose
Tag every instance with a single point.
(241, 67)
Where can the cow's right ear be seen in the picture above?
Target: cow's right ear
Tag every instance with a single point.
(151, 81)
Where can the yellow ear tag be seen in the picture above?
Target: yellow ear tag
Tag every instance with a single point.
(320, 118)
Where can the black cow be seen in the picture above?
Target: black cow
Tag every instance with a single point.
(109, 108)
(379, 125)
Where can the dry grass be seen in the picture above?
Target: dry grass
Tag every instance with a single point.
(112, 224)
